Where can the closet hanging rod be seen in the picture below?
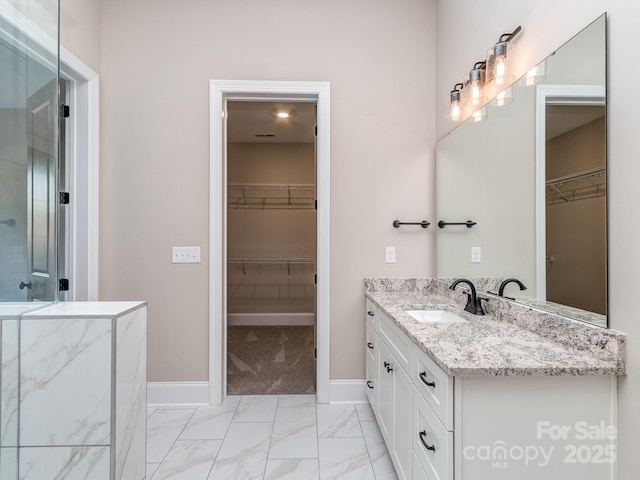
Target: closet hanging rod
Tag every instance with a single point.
(273, 186)
(423, 223)
(468, 223)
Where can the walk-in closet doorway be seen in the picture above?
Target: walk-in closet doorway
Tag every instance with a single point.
(271, 242)
(269, 251)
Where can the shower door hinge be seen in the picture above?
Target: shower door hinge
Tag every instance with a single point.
(315, 130)
(315, 204)
(63, 284)
(64, 198)
(315, 353)
(64, 111)
(315, 279)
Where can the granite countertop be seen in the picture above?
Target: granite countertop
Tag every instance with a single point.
(495, 344)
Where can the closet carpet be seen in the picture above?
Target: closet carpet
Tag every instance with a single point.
(274, 360)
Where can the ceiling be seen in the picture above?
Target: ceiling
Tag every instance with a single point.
(564, 118)
(257, 122)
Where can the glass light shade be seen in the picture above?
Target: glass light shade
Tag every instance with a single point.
(505, 97)
(473, 91)
(536, 75)
(499, 64)
(479, 115)
(454, 114)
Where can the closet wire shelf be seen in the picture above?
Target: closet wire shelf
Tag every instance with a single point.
(271, 195)
(277, 277)
(578, 186)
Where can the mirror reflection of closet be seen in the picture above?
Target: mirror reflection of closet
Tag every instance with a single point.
(576, 206)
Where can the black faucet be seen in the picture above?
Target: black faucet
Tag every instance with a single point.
(508, 281)
(474, 304)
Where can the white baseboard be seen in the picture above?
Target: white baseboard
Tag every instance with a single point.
(178, 393)
(197, 393)
(269, 319)
(347, 391)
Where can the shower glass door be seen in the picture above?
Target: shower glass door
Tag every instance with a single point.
(28, 193)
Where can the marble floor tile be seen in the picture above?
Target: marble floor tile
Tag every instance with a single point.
(266, 438)
(297, 401)
(151, 469)
(338, 421)
(244, 451)
(293, 469)
(365, 413)
(256, 408)
(188, 460)
(163, 428)
(344, 459)
(378, 453)
(294, 433)
(209, 423)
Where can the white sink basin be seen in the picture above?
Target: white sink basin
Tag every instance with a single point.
(435, 316)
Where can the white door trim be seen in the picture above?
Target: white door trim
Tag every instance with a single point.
(553, 95)
(220, 92)
(84, 153)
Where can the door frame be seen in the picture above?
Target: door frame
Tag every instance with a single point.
(83, 153)
(553, 95)
(222, 91)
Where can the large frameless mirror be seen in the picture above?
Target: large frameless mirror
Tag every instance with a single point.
(532, 176)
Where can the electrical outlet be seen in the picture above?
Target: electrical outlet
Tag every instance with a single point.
(185, 254)
(476, 254)
(390, 255)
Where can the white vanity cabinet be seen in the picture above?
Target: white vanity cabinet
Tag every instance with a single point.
(486, 427)
(390, 396)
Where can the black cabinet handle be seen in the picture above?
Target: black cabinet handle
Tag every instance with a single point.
(370, 313)
(25, 285)
(423, 435)
(370, 345)
(423, 377)
(387, 365)
(370, 384)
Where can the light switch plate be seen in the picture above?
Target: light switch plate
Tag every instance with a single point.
(476, 254)
(185, 254)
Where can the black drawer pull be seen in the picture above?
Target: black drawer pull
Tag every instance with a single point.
(370, 345)
(370, 384)
(423, 435)
(387, 365)
(370, 313)
(423, 377)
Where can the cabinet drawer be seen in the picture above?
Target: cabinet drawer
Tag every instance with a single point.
(371, 344)
(432, 444)
(418, 471)
(434, 385)
(372, 386)
(371, 314)
(396, 340)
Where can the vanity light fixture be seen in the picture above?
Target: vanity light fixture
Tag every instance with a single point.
(479, 115)
(535, 76)
(455, 107)
(498, 60)
(473, 85)
(505, 97)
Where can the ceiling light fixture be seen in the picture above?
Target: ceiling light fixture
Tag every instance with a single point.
(283, 114)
